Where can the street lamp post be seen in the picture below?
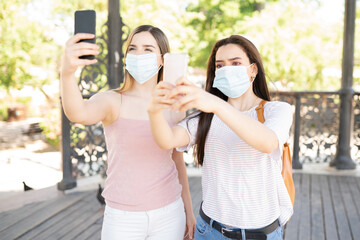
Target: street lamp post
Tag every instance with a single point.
(342, 158)
(115, 33)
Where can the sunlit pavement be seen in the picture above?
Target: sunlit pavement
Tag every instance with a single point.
(30, 164)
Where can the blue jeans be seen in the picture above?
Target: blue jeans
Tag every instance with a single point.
(204, 231)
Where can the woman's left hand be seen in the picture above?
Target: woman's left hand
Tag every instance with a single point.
(189, 96)
(190, 226)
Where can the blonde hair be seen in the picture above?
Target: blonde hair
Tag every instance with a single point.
(164, 47)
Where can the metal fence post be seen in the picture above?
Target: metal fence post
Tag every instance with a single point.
(296, 162)
(342, 158)
(68, 181)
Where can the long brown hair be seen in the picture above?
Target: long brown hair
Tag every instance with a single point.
(162, 42)
(260, 88)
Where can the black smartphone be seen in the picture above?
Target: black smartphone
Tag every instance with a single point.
(85, 22)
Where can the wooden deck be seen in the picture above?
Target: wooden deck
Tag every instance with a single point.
(326, 207)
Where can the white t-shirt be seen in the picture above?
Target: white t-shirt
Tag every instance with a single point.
(243, 187)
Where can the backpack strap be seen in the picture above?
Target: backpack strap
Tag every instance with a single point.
(260, 111)
(286, 170)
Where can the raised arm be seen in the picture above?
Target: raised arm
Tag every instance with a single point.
(165, 136)
(250, 130)
(76, 109)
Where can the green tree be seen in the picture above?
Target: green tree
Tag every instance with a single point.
(25, 46)
(296, 57)
(64, 12)
(211, 20)
(296, 45)
(163, 14)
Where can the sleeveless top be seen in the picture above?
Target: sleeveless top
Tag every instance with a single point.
(140, 175)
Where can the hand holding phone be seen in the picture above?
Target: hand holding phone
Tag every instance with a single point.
(175, 66)
(85, 22)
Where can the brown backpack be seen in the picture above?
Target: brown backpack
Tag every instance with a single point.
(286, 171)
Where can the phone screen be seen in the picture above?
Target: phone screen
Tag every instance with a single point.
(85, 22)
(175, 66)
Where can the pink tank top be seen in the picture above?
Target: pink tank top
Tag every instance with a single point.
(140, 175)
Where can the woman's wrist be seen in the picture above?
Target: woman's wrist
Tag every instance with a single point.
(188, 206)
(66, 74)
(153, 111)
(188, 211)
(217, 105)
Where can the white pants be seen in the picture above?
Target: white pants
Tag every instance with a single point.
(166, 223)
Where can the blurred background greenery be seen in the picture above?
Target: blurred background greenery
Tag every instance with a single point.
(300, 42)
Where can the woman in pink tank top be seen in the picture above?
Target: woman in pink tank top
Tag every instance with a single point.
(146, 190)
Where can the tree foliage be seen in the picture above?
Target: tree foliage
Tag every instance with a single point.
(24, 46)
(296, 45)
(212, 20)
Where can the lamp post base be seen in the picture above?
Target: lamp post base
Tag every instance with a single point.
(343, 162)
(66, 184)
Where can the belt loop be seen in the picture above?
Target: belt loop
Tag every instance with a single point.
(211, 223)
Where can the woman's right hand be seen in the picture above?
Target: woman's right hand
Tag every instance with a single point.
(189, 96)
(159, 99)
(74, 49)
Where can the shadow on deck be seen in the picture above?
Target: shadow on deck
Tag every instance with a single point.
(326, 207)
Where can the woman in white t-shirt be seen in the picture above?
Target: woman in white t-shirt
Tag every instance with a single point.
(244, 195)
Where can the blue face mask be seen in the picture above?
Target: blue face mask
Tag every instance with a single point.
(233, 81)
(142, 67)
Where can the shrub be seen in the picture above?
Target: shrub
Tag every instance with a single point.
(51, 127)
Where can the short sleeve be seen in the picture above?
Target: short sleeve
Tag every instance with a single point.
(278, 117)
(190, 124)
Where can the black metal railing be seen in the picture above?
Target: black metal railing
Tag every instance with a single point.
(313, 135)
(315, 130)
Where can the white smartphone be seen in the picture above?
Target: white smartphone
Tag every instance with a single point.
(175, 66)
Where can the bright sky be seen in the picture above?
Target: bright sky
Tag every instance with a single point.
(41, 11)
(332, 10)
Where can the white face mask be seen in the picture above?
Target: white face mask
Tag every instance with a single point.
(142, 67)
(233, 81)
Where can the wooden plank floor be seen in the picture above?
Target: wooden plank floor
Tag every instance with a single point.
(326, 207)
